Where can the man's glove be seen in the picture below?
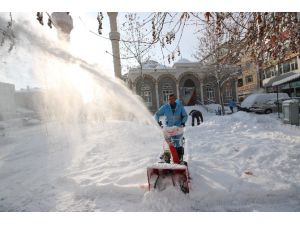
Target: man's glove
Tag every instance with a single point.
(183, 125)
(160, 124)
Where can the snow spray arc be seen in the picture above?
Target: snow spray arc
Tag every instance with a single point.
(71, 89)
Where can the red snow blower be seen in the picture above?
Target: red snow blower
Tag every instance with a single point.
(167, 172)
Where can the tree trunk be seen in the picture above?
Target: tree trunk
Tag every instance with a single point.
(221, 99)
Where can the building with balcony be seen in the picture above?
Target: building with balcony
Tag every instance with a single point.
(284, 75)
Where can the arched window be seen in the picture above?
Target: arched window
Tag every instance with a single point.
(166, 91)
(210, 93)
(146, 94)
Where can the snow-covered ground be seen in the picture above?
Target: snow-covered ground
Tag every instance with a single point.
(238, 162)
(58, 162)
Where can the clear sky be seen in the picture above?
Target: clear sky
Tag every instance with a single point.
(96, 46)
(96, 49)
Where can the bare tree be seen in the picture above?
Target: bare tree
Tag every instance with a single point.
(219, 75)
(266, 36)
(272, 35)
(218, 53)
(168, 28)
(263, 35)
(136, 42)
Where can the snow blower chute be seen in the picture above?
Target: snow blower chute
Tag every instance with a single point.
(167, 172)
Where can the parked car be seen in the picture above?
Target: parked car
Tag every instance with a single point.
(263, 103)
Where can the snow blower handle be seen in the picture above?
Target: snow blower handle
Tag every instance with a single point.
(173, 131)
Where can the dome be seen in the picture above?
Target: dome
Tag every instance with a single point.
(183, 60)
(151, 64)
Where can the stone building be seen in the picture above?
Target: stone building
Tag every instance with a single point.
(187, 80)
(7, 101)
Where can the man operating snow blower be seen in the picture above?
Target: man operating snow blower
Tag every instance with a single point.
(175, 115)
(166, 172)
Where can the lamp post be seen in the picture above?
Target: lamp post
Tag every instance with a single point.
(114, 36)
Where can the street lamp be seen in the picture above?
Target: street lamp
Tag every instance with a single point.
(114, 36)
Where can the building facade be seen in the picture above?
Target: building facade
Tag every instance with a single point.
(284, 75)
(248, 80)
(187, 80)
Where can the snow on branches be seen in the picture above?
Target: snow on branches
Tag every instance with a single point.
(263, 35)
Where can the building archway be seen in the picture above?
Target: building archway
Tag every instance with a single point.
(189, 87)
(189, 92)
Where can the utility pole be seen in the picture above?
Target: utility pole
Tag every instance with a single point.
(114, 36)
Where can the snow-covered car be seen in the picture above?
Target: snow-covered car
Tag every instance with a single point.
(263, 102)
(268, 107)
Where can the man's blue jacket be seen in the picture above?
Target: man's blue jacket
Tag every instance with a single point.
(178, 118)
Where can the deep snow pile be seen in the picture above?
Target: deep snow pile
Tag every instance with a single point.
(246, 162)
(238, 162)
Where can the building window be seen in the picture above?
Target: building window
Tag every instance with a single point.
(270, 72)
(249, 79)
(148, 98)
(288, 66)
(280, 70)
(146, 94)
(240, 82)
(228, 93)
(166, 94)
(294, 64)
(210, 93)
(166, 91)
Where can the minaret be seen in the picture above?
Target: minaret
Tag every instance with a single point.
(114, 36)
(63, 22)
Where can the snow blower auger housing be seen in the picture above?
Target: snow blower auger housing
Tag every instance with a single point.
(167, 172)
